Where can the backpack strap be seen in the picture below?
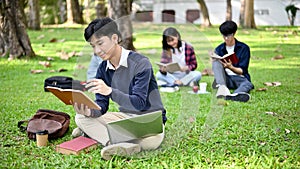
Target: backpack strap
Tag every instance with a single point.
(20, 125)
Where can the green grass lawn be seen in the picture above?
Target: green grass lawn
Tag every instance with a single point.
(201, 132)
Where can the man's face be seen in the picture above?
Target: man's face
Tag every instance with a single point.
(102, 46)
(229, 39)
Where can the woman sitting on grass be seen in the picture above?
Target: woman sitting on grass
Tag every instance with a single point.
(178, 51)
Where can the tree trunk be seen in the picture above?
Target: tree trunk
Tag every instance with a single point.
(120, 10)
(74, 12)
(249, 14)
(22, 11)
(205, 21)
(229, 11)
(242, 13)
(14, 38)
(87, 11)
(34, 15)
(62, 11)
(101, 9)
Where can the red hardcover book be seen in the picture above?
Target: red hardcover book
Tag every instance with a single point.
(76, 145)
(230, 56)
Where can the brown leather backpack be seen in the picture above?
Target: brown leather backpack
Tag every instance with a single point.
(56, 123)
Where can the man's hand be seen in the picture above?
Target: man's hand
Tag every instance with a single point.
(82, 109)
(211, 54)
(226, 64)
(98, 86)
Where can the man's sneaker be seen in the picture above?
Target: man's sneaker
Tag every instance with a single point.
(160, 83)
(120, 149)
(222, 92)
(77, 132)
(241, 97)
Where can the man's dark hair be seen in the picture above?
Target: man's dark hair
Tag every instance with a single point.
(228, 27)
(101, 27)
(170, 31)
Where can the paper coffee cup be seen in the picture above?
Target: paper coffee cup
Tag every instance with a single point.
(203, 86)
(42, 138)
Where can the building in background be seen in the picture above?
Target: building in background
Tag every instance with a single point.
(267, 12)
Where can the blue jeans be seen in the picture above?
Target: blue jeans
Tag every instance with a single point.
(235, 82)
(170, 78)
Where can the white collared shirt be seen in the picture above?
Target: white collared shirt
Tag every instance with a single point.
(123, 60)
(230, 49)
(179, 57)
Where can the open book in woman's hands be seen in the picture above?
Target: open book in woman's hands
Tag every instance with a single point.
(170, 67)
(229, 56)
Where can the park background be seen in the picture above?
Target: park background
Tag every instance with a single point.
(201, 132)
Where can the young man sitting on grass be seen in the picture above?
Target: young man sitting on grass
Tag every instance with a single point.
(229, 75)
(127, 78)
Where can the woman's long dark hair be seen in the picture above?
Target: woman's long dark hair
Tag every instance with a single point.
(170, 31)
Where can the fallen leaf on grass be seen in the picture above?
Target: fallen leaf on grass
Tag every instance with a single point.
(64, 55)
(287, 131)
(40, 37)
(62, 40)
(277, 57)
(262, 143)
(79, 54)
(262, 89)
(50, 58)
(207, 72)
(271, 113)
(45, 63)
(272, 83)
(71, 54)
(62, 70)
(36, 71)
(276, 83)
(191, 119)
(268, 84)
(53, 40)
(246, 32)
(52, 71)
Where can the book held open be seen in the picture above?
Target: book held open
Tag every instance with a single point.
(229, 56)
(171, 67)
(71, 96)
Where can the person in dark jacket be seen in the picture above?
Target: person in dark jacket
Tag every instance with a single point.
(229, 75)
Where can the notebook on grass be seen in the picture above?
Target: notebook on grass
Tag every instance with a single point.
(135, 127)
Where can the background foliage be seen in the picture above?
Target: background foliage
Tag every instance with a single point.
(201, 132)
